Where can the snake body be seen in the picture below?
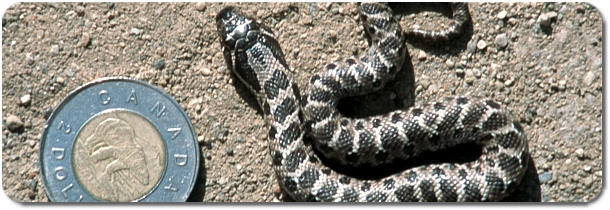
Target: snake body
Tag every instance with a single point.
(254, 55)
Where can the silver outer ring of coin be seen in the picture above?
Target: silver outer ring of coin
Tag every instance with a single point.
(124, 95)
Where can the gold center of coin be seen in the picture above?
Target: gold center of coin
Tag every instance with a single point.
(118, 156)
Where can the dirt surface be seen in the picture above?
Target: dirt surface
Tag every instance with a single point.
(541, 60)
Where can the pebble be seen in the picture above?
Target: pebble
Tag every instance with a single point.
(589, 78)
(32, 143)
(449, 63)
(200, 139)
(80, 10)
(580, 9)
(229, 150)
(84, 41)
(263, 136)
(580, 153)
(159, 64)
(135, 31)
(544, 20)
(432, 89)
(587, 168)
(54, 49)
(29, 59)
(545, 177)
(27, 124)
(501, 40)
(476, 72)
(459, 72)
(551, 15)
(31, 194)
(471, 47)
(424, 83)
(422, 55)
(502, 14)
(306, 20)
(334, 11)
(47, 112)
(469, 80)
(13, 123)
(481, 45)
(30, 183)
(200, 6)
(499, 85)
(508, 83)
(60, 80)
(206, 72)
(332, 34)
(25, 100)
(162, 82)
(562, 84)
(277, 190)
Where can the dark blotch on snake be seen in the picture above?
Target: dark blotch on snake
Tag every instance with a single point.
(294, 159)
(349, 195)
(376, 123)
(396, 117)
(376, 197)
(345, 140)
(290, 184)
(416, 112)
(365, 186)
(290, 135)
(277, 158)
(461, 101)
(344, 179)
(308, 178)
(492, 104)
(448, 191)
(405, 193)
(389, 183)
(279, 81)
(427, 190)
(286, 108)
(327, 191)
(494, 122)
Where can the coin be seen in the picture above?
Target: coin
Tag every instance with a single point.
(119, 140)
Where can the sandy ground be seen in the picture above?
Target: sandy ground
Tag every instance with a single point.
(541, 60)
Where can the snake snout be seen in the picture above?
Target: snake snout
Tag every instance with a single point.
(225, 14)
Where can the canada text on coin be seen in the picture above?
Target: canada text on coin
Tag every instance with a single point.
(119, 140)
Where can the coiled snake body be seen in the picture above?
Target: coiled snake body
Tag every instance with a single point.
(254, 55)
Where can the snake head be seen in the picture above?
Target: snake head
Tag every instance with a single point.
(237, 32)
(248, 47)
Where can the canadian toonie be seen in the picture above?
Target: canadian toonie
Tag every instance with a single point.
(119, 140)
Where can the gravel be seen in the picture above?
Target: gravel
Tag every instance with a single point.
(13, 123)
(552, 58)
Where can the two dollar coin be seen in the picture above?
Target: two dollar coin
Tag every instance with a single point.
(119, 140)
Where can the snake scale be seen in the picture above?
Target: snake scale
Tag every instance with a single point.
(252, 52)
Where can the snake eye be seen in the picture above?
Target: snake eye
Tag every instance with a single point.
(240, 44)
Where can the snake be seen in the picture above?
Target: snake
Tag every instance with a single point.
(305, 129)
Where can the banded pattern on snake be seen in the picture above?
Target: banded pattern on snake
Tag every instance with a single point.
(255, 56)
